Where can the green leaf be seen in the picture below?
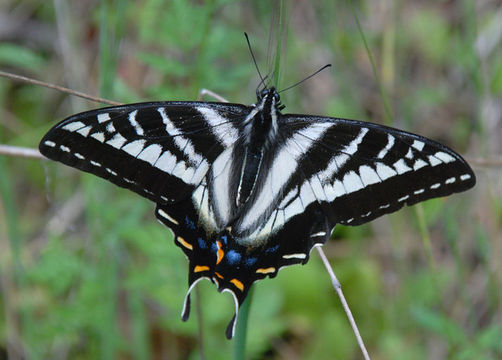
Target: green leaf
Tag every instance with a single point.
(439, 324)
(19, 56)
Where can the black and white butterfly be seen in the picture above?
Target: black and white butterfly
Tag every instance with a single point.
(247, 190)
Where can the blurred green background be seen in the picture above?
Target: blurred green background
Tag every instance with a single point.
(87, 273)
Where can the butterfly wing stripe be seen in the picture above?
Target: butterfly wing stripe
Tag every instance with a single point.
(224, 131)
(384, 171)
(73, 126)
(281, 169)
(385, 150)
(352, 182)
(134, 147)
(117, 141)
(183, 143)
(368, 175)
(401, 167)
(84, 131)
(151, 153)
(220, 186)
(103, 117)
(419, 164)
(200, 200)
(340, 159)
(419, 145)
(134, 123)
(98, 136)
(444, 157)
(312, 190)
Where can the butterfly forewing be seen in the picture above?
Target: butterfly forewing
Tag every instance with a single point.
(160, 150)
(358, 171)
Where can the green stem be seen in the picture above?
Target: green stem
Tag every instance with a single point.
(111, 29)
(11, 219)
(111, 26)
(16, 333)
(105, 76)
(373, 67)
(278, 49)
(424, 232)
(241, 330)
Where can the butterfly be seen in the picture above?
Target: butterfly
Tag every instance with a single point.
(248, 190)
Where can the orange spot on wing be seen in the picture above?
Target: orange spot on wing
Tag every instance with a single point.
(199, 268)
(265, 270)
(184, 243)
(220, 253)
(239, 285)
(219, 275)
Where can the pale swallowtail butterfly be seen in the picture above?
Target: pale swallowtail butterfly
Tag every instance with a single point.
(247, 190)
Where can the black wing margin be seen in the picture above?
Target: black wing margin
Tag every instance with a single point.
(160, 150)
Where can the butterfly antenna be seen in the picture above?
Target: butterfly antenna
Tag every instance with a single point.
(262, 82)
(308, 77)
(254, 59)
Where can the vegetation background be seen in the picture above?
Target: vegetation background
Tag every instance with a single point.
(87, 273)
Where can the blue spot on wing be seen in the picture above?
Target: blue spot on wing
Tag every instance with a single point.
(250, 261)
(233, 257)
(272, 249)
(190, 224)
(202, 243)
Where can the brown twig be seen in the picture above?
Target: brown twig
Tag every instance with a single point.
(488, 163)
(57, 87)
(338, 289)
(17, 151)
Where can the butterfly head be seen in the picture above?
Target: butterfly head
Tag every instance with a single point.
(270, 98)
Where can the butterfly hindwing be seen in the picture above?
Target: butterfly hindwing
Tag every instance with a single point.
(161, 150)
(234, 267)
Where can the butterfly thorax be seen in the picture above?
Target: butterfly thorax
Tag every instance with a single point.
(260, 132)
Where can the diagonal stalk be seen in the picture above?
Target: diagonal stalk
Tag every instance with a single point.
(338, 288)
